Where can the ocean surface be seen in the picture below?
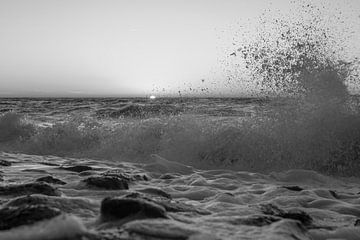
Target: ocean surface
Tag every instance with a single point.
(257, 134)
(179, 168)
(120, 128)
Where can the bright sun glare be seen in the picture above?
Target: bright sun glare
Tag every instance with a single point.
(152, 97)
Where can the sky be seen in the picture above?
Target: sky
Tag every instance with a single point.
(120, 47)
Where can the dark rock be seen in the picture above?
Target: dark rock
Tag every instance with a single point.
(119, 208)
(119, 173)
(295, 214)
(259, 221)
(357, 223)
(26, 214)
(50, 179)
(271, 209)
(111, 183)
(5, 163)
(80, 206)
(168, 204)
(141, 177)
(294, 188)
(77, 168)
(29, 188)
(298, 215)
(29, 200)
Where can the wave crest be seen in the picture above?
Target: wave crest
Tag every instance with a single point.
(325, 143)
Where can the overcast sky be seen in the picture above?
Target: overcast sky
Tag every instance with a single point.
(118, 47)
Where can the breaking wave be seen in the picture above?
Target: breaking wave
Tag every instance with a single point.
(323, 141)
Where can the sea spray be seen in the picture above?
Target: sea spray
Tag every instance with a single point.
(13, 126)
(301, 57)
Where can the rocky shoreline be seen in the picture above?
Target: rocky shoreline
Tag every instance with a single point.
(45, 197)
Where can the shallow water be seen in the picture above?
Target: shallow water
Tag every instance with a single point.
(221, 204)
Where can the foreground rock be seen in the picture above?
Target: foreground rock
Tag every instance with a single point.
(119, 173)
(113, 209)
(109, 183)
(29, 188)
(80, 206)
(25, 214)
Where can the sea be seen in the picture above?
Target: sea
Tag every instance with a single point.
(258, 134)
(179, 168)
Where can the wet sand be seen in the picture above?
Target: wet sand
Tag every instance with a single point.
(46, 197)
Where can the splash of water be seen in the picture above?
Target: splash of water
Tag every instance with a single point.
(303, 58)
